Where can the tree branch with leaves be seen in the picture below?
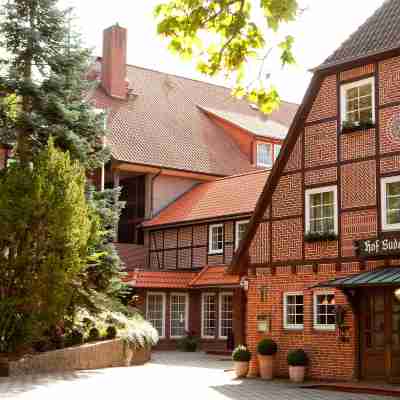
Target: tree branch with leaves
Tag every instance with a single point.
(225, 35)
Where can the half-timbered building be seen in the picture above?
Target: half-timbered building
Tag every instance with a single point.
(327, 279)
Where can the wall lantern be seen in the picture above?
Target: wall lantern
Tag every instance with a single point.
(263, 323)
(397, 294)
(244, 284)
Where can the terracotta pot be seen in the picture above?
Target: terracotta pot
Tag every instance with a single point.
(128, 355)
(266, 366)
(296, 374)
(241, 368)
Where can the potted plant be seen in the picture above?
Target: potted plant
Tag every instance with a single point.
(241, 357)
(266, 349)
(297, 360)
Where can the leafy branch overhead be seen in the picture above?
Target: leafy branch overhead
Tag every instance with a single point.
(224, 35)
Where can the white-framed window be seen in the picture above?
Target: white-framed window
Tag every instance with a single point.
(225, 314)
(155, 311)
(277, 150)
(390, 203)
(179, 314)
(264, 154)
(358, 102)
(321, 210)
(240, 231)
(208, 315)
(216, 239)
(293, 310)
(324, 310)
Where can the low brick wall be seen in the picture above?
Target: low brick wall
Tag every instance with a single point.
(110, 353)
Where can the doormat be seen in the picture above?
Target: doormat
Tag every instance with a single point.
(376, 390)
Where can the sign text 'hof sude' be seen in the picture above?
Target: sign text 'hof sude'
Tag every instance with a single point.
(378, 247)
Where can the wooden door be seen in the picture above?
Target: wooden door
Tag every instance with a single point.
(373, 346)
(380, 335)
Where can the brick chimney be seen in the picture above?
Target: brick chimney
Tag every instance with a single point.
(113, 74)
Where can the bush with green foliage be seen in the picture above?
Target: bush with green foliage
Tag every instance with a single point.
(111, 332)
(46, 227)
(74, 338)
(94, 335)
(297, 358)
(241, 353)
(267, 347)
(189, 342)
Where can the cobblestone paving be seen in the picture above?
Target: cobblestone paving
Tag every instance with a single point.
(169, 375)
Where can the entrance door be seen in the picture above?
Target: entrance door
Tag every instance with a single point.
(380, 335)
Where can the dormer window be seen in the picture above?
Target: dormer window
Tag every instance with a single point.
(264, 155)
(358, 104)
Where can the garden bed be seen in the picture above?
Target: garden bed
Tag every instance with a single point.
(104, 354)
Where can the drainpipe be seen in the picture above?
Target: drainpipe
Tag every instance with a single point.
(153, 178)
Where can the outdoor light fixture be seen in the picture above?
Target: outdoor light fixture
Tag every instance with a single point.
(244, 284)
(397, 294)
(263, 323)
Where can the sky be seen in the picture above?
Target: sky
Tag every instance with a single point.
(321, 28)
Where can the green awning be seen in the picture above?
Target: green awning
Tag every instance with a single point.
(379, 277)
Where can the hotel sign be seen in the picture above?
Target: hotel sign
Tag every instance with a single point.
(378, 247)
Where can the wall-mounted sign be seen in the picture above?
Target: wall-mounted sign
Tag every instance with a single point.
(378, 247)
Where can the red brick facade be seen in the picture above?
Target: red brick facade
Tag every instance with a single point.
(282, 261)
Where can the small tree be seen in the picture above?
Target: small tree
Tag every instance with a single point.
(46, 227)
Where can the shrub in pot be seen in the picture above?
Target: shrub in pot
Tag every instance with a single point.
(241, 357)
(266, 349)
(297, 360)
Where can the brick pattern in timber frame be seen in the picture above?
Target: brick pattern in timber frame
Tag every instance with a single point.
(355, 163)
(186, 247)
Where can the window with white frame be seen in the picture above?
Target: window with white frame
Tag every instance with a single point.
(324, 310)
(208, 315)
(358, 102)
(277, 150)
(264, 155)
(240, 231)
(225, 314)
(155, 311)
(293, 310)
(321, 210)
(179, 314)
(216, 239)
(390, 200)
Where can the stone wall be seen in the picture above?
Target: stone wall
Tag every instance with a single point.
(110, 353)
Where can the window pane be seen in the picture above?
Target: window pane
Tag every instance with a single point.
(264, 156)
(328, 211)
(327, 197)
(155, 312)
(226, 315)
(393, 203)
(366, 115)
(366, 90)
(209, 315)
(325, 309)
(316, 212)
(351, 93)
(366, 102)
(393, 188)
(352, 105)
(316, 199)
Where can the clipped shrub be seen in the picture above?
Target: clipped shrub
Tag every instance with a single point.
(74, 338)
(94, 335)
(241, 353)
(111, 332)
(297, 358)
(188, 343)
(267, 347)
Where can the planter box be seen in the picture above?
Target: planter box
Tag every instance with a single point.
(110, 353)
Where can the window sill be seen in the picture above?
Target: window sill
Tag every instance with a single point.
(215, 253)
(357, 128)
(294, 328)
(322, 328)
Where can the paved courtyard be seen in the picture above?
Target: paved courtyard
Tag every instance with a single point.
(169, 375)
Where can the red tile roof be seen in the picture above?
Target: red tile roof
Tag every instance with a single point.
(160, 279)
(132, 255)
(214, 276)
(207, 277)
(162, 125)
(223, 197)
